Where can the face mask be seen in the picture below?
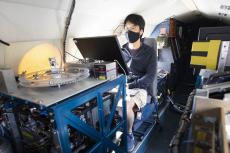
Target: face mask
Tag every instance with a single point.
(132, 36)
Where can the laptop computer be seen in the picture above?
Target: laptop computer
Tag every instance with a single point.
(105, 48)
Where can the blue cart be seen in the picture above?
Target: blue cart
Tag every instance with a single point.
(59, 105)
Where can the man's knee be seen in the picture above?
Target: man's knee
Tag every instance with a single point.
(130, 105)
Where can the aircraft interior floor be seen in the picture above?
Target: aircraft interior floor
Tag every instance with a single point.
(169, 122)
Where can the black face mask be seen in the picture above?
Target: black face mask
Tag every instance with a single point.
(132, 36)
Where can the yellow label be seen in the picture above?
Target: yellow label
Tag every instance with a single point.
(102, 77)
(212, 48)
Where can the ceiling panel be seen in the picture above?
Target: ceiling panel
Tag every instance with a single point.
(51, 4)
(22, 23)
(22, 20)
(214, 8)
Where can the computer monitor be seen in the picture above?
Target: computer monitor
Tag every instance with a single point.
(105, 48)
(214, 33)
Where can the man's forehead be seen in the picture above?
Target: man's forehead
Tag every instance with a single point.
(131, 25)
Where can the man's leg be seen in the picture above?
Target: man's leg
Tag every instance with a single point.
(130, 121)
(130, 115)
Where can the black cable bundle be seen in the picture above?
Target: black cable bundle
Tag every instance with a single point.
(5, 43)
(183, 125)
(42, 145)
(68, 20)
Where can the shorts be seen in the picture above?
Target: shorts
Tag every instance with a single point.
(138, 96)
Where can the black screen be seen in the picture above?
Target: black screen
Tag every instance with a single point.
(105, 48)
(214, 33)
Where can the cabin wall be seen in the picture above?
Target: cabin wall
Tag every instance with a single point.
(73, 50)
(11, 55)
(15, 52)
(26, 22)
(2, 53)
(32, 20)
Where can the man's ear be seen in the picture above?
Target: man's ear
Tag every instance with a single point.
(141, 32)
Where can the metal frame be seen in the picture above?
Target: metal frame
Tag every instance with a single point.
(63, 116)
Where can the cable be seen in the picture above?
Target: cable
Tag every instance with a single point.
(73, 55)
(177, 107)
(183, 125)
(121, 67)
(2, 133)
(5, 43)
(126, 79)
(68, 20)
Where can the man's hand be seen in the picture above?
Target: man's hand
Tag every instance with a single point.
(115, 90)
(127, 86)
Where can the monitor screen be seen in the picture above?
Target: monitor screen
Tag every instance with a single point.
(105, 48)
(214, 33)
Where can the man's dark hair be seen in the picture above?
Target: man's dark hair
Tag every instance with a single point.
(136, 19)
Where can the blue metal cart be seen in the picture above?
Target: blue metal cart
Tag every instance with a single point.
(60, 102)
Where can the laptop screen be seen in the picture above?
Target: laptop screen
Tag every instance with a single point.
(105, 48)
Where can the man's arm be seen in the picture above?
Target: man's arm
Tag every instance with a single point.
(145, 81)
(126, 55)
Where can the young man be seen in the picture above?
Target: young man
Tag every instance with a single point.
(142, 63)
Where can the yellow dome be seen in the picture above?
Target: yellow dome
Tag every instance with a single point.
(37, 58)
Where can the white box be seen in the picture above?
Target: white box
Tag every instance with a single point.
(7, 81)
